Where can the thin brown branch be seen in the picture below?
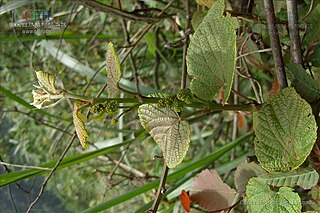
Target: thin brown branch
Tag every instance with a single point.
(143, 32)
(275, 44)
(45, 182)
(294, 31)
(161, 189)
(108, 9)
(185, 45)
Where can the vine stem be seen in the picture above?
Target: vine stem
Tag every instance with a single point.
(275, 44)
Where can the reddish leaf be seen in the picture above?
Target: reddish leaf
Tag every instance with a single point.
(240, 121)
(275, 88)
(185, 200)
(209, 191)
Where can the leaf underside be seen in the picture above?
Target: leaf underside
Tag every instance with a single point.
(285, 131)
(303, 177)
(211, 54)
(46, 80)
(113, 71)
(168, 130)
(244, 172)
(78, 121)
(210, 192)
(260, 198)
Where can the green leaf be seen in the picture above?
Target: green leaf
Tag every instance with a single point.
(285, 131)
(150, 39)
(197, 18)
(207, 3)
(170, 132)
(211, 54)
(78, 121)
(304, 177)
(260, 198)
(244, 173)
(315, 56)
(305, 85)
(113, 71)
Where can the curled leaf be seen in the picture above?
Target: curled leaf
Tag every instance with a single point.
(185, 200)
(78, 121)
(46, 81)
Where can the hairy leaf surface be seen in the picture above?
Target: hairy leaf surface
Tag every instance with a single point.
(304, 177)
(113, 71)
(260, 198)
(168, 130)
(285, 131)
(78, 121)
(46, 81)
(211, 54)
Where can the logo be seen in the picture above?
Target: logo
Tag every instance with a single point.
(38, 21)
(36, 14)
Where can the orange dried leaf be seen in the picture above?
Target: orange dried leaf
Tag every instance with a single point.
(185, 200)
(240, 121)
(275, 88)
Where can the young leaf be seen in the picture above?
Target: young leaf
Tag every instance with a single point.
(78, 121)
(209, 191)
(46, 81)
(304, 177)
(285, 132)
(211, 54)
(260, 198)
(114, 72)
(185, 200)
(244, 173)
(170, 132)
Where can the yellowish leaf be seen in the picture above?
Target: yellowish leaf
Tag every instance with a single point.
(78, 121)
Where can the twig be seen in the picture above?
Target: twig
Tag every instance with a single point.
(45, 182)
(133, 65)
(294, 31)
(24, 166)
(108, 9)
(309, 11)
(125, 167)
(275, 44)
(185, 46)
(161, 190)
(252, 52)
(143, 32)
